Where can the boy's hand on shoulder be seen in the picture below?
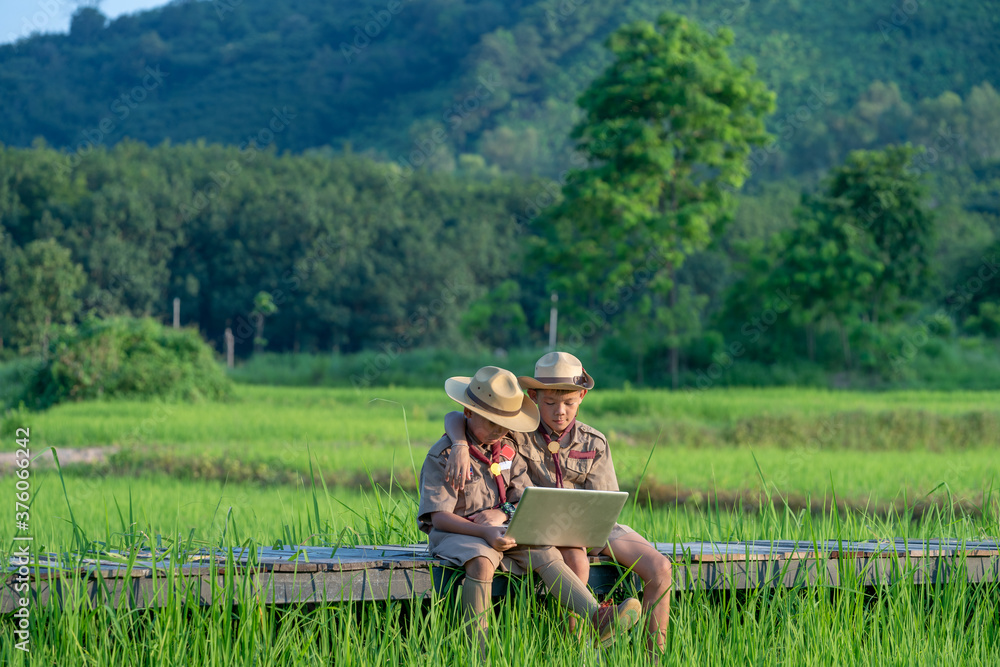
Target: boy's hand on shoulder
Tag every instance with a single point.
(490, 518)
(457, 471)
(495, 537)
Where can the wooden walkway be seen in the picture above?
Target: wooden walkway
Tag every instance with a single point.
(325, 574)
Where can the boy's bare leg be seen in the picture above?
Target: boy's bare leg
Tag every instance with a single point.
(656, 573)
(576, 559)
(477, 595)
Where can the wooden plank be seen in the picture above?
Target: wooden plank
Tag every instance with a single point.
(317, 574)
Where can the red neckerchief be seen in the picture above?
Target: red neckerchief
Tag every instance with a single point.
(555, 455)
(495, 455)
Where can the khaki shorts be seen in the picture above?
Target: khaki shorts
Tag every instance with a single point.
(457, 549)
(620, 530)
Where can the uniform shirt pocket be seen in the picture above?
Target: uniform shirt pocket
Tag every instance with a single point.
(578, 465)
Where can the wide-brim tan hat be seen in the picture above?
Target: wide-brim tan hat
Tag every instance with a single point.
(558, 370)
(495, 394)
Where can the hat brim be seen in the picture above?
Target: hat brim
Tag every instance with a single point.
(531, 383)
(524, 421)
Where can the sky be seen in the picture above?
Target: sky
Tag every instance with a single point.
(19, 18)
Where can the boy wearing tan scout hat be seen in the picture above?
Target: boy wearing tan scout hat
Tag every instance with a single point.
(465, 527)
(565, 453)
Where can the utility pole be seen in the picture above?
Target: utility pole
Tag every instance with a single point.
(553, 321)
(230, 344)
(177, 312)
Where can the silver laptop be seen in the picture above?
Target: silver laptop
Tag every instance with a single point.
(565, 517)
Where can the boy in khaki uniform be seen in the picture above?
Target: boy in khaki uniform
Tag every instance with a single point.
(465, 527)
(565, 453)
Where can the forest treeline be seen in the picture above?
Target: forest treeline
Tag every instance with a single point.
(316, 253)
(348, 255)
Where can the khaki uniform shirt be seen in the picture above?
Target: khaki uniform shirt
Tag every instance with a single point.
(584, 458)
(480, 493)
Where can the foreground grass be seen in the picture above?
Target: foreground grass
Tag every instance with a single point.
(952, 624)
(955, 626)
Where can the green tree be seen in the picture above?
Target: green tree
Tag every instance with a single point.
(880, 194)
(861, 250)
(497, 317)
(263, 306)
(667, 131)
(38, 288)
(824, 265)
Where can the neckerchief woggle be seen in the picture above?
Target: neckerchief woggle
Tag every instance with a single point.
(555, 450)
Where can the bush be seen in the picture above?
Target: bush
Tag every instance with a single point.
(126, 358)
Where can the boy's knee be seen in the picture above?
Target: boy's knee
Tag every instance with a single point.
(580, 566)
(480, 568)
(665, 569)
(662, 570)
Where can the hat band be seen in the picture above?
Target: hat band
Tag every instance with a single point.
(486, 406)
(578, 379)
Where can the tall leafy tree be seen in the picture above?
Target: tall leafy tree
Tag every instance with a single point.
(881, 196)
(38, 288)
(824, 265)
(667, 130)
(861, 249)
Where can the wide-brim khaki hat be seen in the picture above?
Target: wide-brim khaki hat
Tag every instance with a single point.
(558, 370)
(495, 394)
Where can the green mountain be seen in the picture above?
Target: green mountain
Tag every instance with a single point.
(466, 108)
(425, 82)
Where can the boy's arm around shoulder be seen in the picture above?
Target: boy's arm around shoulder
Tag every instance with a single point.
(456, 473)
(602, 475)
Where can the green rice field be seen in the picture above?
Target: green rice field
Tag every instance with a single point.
(297, 466)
